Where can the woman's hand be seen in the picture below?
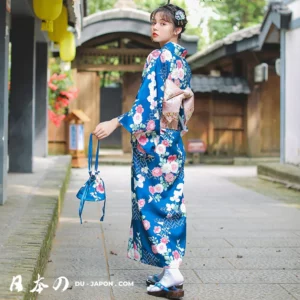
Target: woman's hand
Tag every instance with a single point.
(104, 129)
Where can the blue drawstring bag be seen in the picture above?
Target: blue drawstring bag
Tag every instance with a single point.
(94, 189)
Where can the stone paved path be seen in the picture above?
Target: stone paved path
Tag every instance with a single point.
(243, 240)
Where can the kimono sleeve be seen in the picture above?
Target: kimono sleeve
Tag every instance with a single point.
(144, 116)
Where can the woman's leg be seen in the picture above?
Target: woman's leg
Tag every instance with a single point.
(171, 277)
(159, 276)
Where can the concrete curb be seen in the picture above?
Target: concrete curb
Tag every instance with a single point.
(283, 173)
(42, 259)
(32, 240)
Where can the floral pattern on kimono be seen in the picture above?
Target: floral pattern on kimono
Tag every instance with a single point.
(158, 225)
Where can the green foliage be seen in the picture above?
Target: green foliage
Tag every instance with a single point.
(226, 16)
(99, 5)
(233, 15)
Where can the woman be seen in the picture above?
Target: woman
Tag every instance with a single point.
(156, 121)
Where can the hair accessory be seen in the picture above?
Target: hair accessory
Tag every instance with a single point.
(180, 17)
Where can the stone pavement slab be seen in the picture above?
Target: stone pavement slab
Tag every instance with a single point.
(241, 243)
(249, 276)
(28, 222)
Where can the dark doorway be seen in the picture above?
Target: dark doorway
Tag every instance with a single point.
(111, 107)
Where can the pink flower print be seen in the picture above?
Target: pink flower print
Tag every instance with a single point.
(179, 64)
(157, 229)
(170, 76)
(137, 132)
(139, 109)
(164, 240)
(181, 74)
(160, 149)
(176, 254)
(151, 125)
(165, 143)
(152, 190)
(172, 158)
(166, 168)
(159, 188)
(131, 232)
(141, 203)
(161, 248)
(139, 147)
(134, 246)
(136, 255)
(142, 140)
(163, 57)
(169, 177)
(100, 188)
(137, 118)
(174, 166)
(154, 249)
(146, 224)
(155, 53)
(175, 73)
(184, 53)
(156, 172)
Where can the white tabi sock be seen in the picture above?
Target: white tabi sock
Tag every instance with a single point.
(171, 277)
(160, 276)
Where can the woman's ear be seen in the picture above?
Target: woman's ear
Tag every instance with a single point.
(178, 30)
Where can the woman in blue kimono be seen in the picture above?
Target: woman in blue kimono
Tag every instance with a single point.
(157, 121)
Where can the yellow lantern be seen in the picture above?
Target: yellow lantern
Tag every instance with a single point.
(47, 11)
(67, 50)
(60, 26)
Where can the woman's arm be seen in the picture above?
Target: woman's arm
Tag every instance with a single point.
(104, 129)
(144, 115)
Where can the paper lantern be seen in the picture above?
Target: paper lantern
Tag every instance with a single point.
(47, 11)
(60, 26)
(67, 50)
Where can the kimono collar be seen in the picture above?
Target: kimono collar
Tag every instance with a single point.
(175, 48)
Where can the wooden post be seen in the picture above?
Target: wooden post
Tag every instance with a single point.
(211, 125)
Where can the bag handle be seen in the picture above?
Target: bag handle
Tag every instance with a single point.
(90, 157)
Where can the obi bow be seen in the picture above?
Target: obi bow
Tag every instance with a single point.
(174, 98)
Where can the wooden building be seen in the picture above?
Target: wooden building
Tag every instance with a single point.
(219, 115)
(236, 115)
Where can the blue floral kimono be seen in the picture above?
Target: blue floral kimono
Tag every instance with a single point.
(157, 121)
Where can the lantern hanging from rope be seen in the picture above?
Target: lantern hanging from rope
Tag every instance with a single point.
(60, 26)
(67, 47)
(47, 11)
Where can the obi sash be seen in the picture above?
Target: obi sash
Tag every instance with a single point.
(174, 98)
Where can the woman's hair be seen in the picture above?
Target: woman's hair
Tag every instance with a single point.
(174, 14)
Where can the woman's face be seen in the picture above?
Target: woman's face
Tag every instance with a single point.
(162, 30)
